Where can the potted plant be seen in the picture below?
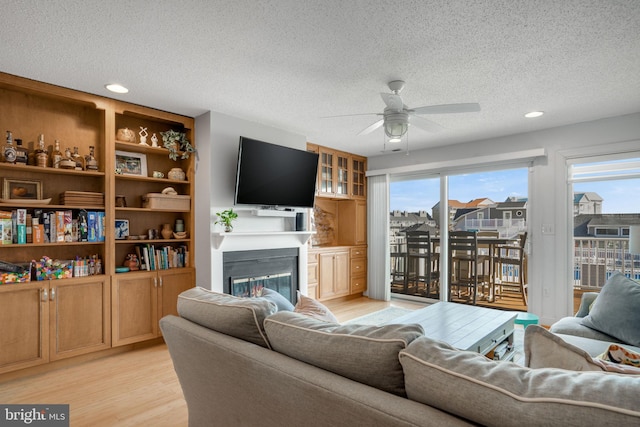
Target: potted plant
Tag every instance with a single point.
(175, 141)
(226, 218)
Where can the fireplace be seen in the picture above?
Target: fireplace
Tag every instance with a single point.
(244, 273)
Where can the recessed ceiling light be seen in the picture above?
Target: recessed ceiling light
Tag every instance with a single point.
(113, 87)
(533, 114)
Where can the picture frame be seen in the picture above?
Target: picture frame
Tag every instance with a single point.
(21, 189)
(128, 163)
(122, 229)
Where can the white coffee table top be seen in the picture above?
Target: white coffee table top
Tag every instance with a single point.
(465, 327)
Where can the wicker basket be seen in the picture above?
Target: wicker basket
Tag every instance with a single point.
(166, 201)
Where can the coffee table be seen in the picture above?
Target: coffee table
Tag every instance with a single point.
(467, 327)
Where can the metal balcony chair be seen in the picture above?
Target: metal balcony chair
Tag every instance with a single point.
(422, 263)
(510, 266)
(467, 268)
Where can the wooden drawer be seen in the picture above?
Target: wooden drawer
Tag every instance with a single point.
(312, 257)
(312, 274)
(358, 284)
(358, 252)
(358, 267)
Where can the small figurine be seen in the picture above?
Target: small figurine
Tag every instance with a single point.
(143, 136)
(154, 140)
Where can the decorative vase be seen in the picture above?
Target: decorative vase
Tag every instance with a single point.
(131, 262)
(166, 231)
(176, 174)
(228, 228)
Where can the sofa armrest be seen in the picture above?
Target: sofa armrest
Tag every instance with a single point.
(585, 303)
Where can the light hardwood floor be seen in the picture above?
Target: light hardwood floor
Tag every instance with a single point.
(136, 388)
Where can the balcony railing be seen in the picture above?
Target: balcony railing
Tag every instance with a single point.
(505, 227)
(596, 259)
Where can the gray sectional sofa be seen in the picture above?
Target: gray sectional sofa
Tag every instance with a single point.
(240, 362)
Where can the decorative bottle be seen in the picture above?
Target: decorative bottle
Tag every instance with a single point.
(22, 153)
(91, 164)
(56, 156)
(9, 149)
(78, 159)
(41, 156)
(67, 161)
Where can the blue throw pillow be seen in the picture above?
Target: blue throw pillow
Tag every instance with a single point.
(279, 300)
(616, 311)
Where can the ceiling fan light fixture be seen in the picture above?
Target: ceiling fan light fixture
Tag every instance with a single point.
(396, 125)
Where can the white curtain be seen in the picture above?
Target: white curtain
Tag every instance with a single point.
(379, 270)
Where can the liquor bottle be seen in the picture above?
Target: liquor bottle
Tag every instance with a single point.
(67, 161)
(56, 156)
(91, 164)
(41, 156)
(9, 149)
(22, 153)
(77, 158)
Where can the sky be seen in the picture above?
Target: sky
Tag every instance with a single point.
(620, 196)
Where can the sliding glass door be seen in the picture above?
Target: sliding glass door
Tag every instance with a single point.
(492, 202)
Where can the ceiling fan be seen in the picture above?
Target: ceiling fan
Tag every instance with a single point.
(397, 116)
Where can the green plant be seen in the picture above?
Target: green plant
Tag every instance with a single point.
(226, 218)
(175, 141)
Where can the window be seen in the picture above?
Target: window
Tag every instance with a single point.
(604, 207)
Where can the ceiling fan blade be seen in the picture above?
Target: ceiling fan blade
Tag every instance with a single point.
(372, 127)
(472, 107)
(351, 115)
(425, 124)
(393, 102)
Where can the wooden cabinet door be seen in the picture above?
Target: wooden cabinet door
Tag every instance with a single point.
(361, 223)
(327, 275)
(358, 177)
(134, 308)
(24, 326)
(334, 274)
(80, 317)
(341, 281)
(342, 178)
(326, 183)
(172, 283)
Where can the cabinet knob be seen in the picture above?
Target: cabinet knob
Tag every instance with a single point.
(53, 294)
(45, 295)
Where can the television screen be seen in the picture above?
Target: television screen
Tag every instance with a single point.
(273, 175)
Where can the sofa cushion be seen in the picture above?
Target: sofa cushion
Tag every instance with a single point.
(573, 326)
(543, 349)
(277, 298)
(312, 308)
(615, 311)
(506, 394)
(239, 317)
(367, 354)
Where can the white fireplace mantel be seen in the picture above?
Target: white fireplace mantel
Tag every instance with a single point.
(238, 239)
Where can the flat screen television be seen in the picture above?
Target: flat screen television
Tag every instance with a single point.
(274, 176)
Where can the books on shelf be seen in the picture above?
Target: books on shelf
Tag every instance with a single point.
(162, 257)
(22, 226)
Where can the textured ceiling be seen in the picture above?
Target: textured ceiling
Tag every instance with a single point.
(288, 63)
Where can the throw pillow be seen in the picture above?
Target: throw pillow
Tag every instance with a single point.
(615, 312)
(495, 393)
(239, 317)
(620, 359)
(312, 308)
(277, 298)
(543, 349)
(364, 353)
